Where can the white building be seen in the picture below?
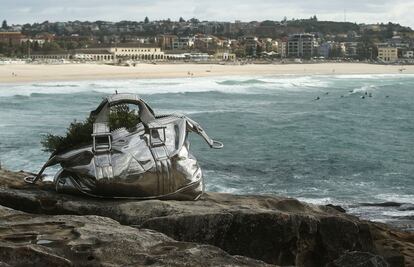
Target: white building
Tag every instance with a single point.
(408, 54)
(183, 43)
(93, 55)
(50, 55)
(109, 54)
(137, 52)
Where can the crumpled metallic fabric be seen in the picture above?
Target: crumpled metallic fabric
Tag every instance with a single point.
(152, 162)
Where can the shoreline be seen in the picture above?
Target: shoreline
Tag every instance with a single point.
(26, 73)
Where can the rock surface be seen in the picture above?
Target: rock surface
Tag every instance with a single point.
(359, 259)
(276, 230)
(67, 240)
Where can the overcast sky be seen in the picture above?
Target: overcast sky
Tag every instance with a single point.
(361, 11)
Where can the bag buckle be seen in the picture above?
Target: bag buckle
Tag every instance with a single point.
(155, 139)
(101, 142)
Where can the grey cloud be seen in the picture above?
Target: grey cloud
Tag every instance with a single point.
(368, 11)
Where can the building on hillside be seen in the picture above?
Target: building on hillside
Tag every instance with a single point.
(388, 54)
(123, 52)
(183, 43)
(399, 42)
(229, 28)
(325, 49)
(53, 55)
(330, 49)
(185, 56)
(40, 42)
(251, 44)
(136, 52)
(351, 49)
(175, 55)
(11, 38)
(47, 37)
(408, 54)
(205, 43)
(108, 54)
(166, 42)
(302, 45)
(225, 56)
(370, 27)
(282, 47)
(93, 55)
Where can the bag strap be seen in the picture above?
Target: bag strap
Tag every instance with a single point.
(195, 127)
(33, 179)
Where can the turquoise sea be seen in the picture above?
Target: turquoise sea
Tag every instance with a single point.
(341, 149)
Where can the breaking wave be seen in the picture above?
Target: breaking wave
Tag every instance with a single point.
(242, 82)
(235, 85)
(54, 85)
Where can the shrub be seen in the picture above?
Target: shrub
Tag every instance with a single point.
(79, 133)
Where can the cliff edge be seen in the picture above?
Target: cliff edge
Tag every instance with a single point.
(40, 227)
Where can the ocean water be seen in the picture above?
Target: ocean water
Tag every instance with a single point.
(341, 149)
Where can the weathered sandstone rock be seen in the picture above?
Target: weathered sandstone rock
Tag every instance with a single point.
(68, 240)
(276, 230)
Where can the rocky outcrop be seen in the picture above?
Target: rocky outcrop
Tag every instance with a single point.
(359, 259)
(275, 230)
(66, 240)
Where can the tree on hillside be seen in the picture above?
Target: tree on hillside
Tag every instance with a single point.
(146, 20)
(181, 19)
(4, 25)
(194, 21)
(51, 47)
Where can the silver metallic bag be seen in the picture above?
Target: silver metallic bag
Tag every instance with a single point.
(152, 162)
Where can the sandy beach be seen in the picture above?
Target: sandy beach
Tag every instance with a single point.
(15, 73)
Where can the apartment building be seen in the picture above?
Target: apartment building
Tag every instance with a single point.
(388, 54)
(302, 45)
(11, 38)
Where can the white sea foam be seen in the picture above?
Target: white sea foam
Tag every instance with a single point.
(400, 198)
(161, 111)
(223, 189)
(234, 84)
(398, 213)
(365, 88)
(230, 84)
(319, 201)
(371, 76)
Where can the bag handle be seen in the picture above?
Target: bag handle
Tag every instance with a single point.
(33, 179)
(195, 127)
(101, 114)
